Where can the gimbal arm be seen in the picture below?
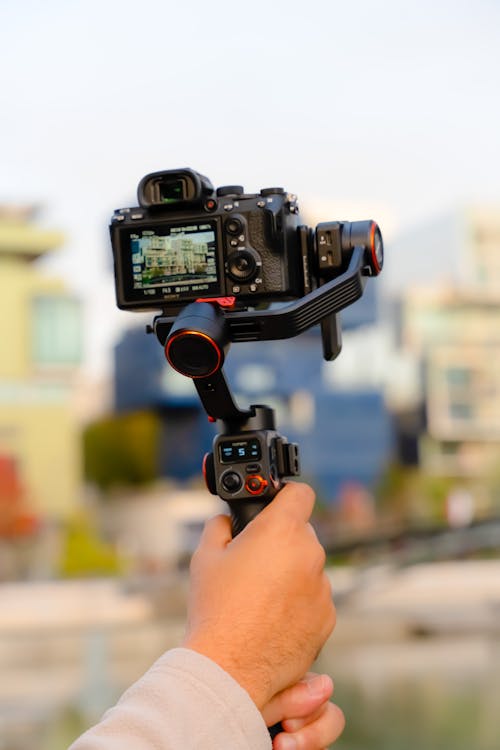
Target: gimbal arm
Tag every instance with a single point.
(286, 322)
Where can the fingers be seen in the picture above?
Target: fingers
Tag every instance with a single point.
(319, 733)
(300, 700)
(217, 533)
(296, 499)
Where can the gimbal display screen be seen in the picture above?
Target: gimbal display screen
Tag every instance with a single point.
(172, 260)
(232, 451)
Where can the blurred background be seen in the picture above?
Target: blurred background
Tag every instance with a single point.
(378, 110)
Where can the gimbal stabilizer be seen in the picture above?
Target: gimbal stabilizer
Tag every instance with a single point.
(250, 458)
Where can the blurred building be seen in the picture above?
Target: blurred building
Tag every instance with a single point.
(453, 327)
(40, 347)
(345, 434)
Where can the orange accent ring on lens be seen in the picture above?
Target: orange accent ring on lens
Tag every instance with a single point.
(203, 336)
(376, 264)
(262, 487)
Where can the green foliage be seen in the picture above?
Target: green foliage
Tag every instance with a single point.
(121, 450)
(84, 553)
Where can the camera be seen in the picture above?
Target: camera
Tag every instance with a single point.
(187, 241)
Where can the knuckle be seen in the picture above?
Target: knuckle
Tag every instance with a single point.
(321, 556)
(194, 562)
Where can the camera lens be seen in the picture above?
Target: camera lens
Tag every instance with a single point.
(242, 265)
(231, 481)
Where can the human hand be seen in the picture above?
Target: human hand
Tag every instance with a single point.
(261, 605)
(310, 720)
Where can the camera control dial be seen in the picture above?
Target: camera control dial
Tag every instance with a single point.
(272, 191)
(234, 225)
(230, 190)
(242, 264)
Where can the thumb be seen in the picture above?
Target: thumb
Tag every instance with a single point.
(217, 533)
(296, 499)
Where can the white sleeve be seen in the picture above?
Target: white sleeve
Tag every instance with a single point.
(184, 702)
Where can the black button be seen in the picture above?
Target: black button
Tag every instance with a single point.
(252, 468)
(231, 481)
(210, 204)
(234, 226)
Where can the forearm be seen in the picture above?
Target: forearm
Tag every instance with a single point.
(184, 701)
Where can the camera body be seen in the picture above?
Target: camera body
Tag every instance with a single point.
(187, 241)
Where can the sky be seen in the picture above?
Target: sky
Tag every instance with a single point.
(387, 110)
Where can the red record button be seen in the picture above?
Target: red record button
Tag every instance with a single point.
(255, 484)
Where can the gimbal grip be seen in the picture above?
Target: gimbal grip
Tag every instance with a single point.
(244, 511)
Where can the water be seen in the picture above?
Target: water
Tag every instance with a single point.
(436, 693)
(429, 694)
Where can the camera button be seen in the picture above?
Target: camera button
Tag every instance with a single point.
(137, 216)
(234, 226)
(253, 468)
(231, 481)
(234, 243)
(253, 287)
(255, 485)
(228, 206)
(236, 289)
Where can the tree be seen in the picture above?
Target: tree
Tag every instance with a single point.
(121, 450)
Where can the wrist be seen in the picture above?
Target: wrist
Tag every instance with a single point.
(252, 680)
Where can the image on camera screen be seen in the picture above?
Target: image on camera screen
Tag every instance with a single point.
(180, 256)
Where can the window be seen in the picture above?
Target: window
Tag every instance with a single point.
(461, 411)
(458, 376)
(57, 331)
